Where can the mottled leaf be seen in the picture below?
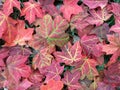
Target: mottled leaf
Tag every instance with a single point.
(52, 31)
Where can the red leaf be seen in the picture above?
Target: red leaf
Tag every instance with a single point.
(49, 7)
(116, 9)
(31, 10)
(112, 48)
(8, 6)
(101, 31)
(69, 53)
(53, 71)
(69, 8)
(36, 77)
(116, 27)
(95, 3)
(71, 80)
(4, 22)
(19, 36)
(23, 34)
(78, 21)
(52, 85)
(19, 50)
(10, 35)
(98, 17)
(90, 45)
(17, 68)
(3, 54)
(24, 85)
(104, 86)
(112, 74)
(43, 57)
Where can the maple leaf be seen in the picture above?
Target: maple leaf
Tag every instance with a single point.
(104, 86)
(53, 72)
(31, 10)
(69, 53)
(95, 3)
(3, 54)
(16, 67)
(23, 34)
(8, 6)
(87, 67)
(112, 74)
(43, 57)
(37, 42)
(112, 48)
(78, 21)
(70, 7)
(116, 27)
(9, 35)
(71, 80)
(52, 31)
(90, 45)
(101, 31)
(24, 85)
(2, 23)
(19, 50)
(98, 17)
(49, 7)
(19, 36)
(5, 21)
(52, 85)
(116, 9)
(3, 81)
(36, 77)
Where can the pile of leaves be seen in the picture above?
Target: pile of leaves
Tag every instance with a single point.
(60, 44)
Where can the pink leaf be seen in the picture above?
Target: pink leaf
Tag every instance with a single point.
(95, 3)
(31, 10)
(69, 8)
(71, 80)
(69, 53)
(8, 6)
(54, 71)
(98, 17)
(17, 68)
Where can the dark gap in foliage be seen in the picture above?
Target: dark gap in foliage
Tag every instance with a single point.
(107, 58)
(65, 87)
(58, 48)
(62, 64)
(79, 2)
(118, 58)
(24, 0)
(68, 67)
(58, 2)
(2, 42)
(16, 13)
(116, 1)
(22, 18)
(1, 88)
(118, 88)
(100, 67)
(36, 0)
(111, 21)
